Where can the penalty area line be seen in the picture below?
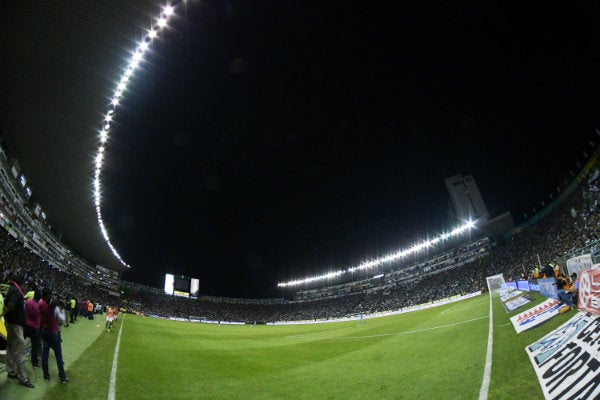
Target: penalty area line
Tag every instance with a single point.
(113, 373)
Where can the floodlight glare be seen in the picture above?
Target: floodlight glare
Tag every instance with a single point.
(137, 56)
(133, 63)
(383, 260)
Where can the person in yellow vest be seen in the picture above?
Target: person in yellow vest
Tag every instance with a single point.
(536, 272)
(2, 326)
(72, 303)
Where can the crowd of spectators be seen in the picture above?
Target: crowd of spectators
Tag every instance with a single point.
(570, 229)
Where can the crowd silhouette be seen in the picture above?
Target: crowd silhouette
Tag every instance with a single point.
(570, 229)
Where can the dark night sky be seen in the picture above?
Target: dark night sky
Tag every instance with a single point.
(264, 140)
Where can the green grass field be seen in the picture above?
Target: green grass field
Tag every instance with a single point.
(437, 353)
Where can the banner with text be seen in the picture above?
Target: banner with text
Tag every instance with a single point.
(580, 263)
(516, 302)
(536, 315)
(565, 360)
(548, 288)
(589, 291)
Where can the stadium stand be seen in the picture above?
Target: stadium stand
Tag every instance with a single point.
(570, 227)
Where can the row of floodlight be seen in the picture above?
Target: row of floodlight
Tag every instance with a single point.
(367, 265)
(136, 58)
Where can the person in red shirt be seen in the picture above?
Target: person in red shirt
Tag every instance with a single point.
(33, 323)
(52, 317)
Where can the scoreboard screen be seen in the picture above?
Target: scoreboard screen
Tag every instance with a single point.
(179, 285)
(182, 284)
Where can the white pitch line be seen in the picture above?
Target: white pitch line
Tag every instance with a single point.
(487, 372)
(113, 373)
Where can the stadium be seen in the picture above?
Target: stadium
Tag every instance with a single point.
(427, 292)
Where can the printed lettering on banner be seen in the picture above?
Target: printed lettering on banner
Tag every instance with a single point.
(589, 291)
(536, 315)
(565, 360)
(504, 296)
(579, 263)
(517, 302)
(548, 288)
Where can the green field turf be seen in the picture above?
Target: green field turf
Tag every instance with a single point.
(437, 353)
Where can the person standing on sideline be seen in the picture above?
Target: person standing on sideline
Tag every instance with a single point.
(33, 323)
(110, 315)
(72, 309)
(14, 319)
(90, 309)
(52, 316)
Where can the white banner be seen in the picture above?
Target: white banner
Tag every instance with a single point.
(536, 315)
(565, 360)
(579, 263)
(518, 302)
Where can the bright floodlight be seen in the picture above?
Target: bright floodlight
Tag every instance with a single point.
(383, 260)
(136, 58)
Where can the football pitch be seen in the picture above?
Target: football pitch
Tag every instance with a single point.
(437, 353)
